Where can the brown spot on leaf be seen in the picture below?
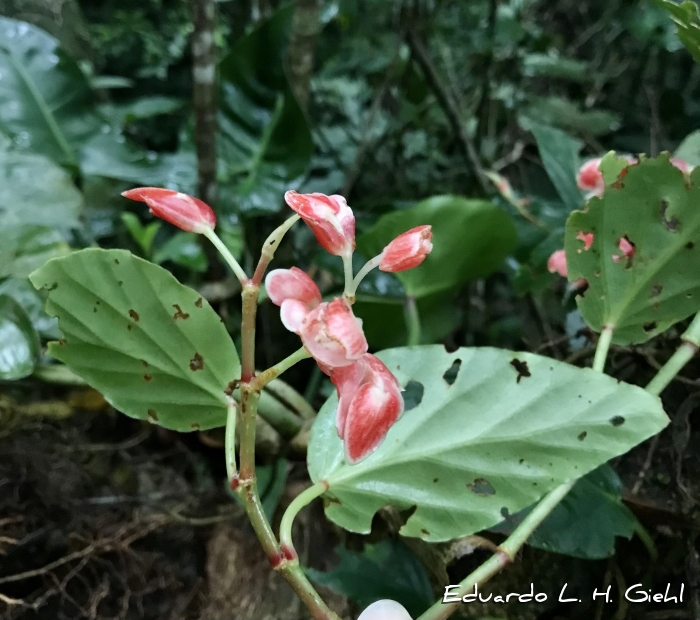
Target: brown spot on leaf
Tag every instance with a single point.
(195, 426)
(670, 224)
(424, 531)
(198, 303)
(116, 260)
(134, 315)
(582, 436)
(656, 290)
(197, 363)
(618, 185)
(521, 461)
(94, 309)
(129, 326)
(121, 283)
(61, 342)
(521, 368)
(145, 363)
(618, 420)
(650, 327)
(179, 314)
(153, 415)
(231, 387)
(148, 378)
(690, 245)
(481, 486)
(435, 479)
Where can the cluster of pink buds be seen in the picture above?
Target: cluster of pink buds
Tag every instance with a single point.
(369, 396)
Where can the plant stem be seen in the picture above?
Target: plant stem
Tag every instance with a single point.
(684, 353)
(368, 266)
(601, 352)
(270, 247)
(230, 440)
(303, 499)
(348, 292)
(410, 312)
(275, 371)
(226, 255)
(505, 555)
(250, 308)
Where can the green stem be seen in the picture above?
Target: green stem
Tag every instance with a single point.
(230, 440)
(270, 247)
(226, 255)
(249, 295)
(369, 265)
(303, 499)
(601, 352)
(275, 371)
(505, 555)
(684, 353)
(348, 291)
(410, 311)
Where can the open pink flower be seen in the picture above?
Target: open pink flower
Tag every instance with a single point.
(408, 250)
(590, 178)
(181, 210)
(557, 263)
(369, 403)
(283, 284)
(330, 219)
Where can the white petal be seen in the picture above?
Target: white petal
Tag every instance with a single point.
(385, 610)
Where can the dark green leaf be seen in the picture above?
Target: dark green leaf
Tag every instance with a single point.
(471, 239)
(19, 343)
(25, 248)
(656, 208)
(152, 346)
(586, 523)
(46, 103)
(143, 235)
(184, 249)
(265, 143)
(687, 19)
(21, 290)
(387, 570)
(506, 430)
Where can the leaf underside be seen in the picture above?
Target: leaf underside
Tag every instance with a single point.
(491, 441)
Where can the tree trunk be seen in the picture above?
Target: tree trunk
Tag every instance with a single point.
(306, 26)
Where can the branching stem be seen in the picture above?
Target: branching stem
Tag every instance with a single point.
(227, 256)
(303, 499)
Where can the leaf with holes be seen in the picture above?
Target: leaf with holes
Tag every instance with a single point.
(643, 266)
(489, 431)
(152, 346)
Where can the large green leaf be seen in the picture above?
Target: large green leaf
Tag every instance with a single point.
(386, 570)
(46, 103)
(559, 153)
(687, 19)
(689, 149)
(25, 248)
(489, 441)
(152, 346)
(656, 209)
(19, 343)
(471, 239)
(586, 523)
(265, 144)
(34, 190)
(31, 300)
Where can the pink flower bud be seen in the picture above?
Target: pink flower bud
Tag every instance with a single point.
(330, 219)
(682, 165)
(557, 263)
(330, 332)
(385, 610)
(282, 284)
(369, 403)
(590, 178)
(181, 210)
(408, 250)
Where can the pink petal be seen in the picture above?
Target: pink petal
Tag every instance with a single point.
(181, 210)
(557, 263)
(283, 284)
(293, 312)
(590, 178)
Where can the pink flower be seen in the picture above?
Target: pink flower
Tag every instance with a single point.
(330, 219)
(283, 284)
(369, 403)
(590, 178)
(587, 239)
(185, 212)
(408, 250)
(557, 263)
(682, 165)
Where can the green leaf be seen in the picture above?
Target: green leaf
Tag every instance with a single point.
(152, 346)
(184, 249)
(387, 570)
(141, 108)
(690, 149)
(687, 19)
(19, 343)
(46, 103)
(553, 66)
(21, 290)
(265, 144)
(143, 235)
(656, 208)
(568, 116)
(111, 155)
(25, 248)
(508, 428)
(559, 153)
(471, 239)
(34, 190)
(586, 523)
